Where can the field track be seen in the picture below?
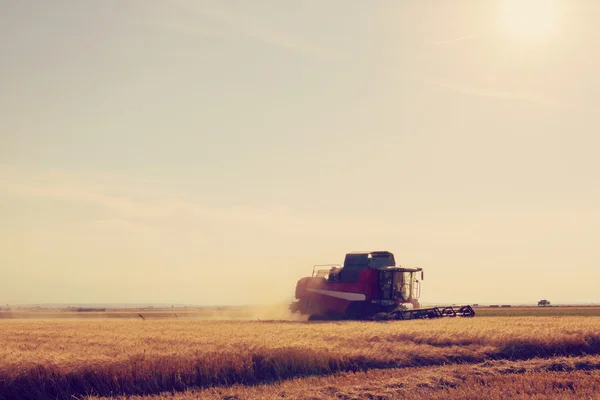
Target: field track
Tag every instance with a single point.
(276, 313)
(557, 378)
(78, 356)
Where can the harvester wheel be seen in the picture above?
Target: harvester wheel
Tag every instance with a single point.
(335, 316)
(381, 316)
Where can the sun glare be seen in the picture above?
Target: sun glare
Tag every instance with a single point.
(530, 17)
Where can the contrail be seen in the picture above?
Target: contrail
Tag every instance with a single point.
(457, 39)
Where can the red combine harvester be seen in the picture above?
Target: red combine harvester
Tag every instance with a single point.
(369, 286)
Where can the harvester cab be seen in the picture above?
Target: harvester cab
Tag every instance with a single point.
(369, 285)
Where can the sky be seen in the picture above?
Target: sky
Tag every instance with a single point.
(211, 152)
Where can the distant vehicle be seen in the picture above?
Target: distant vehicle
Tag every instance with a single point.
(368, 286)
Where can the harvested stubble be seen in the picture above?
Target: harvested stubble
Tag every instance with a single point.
(557, 378)
(58, 359)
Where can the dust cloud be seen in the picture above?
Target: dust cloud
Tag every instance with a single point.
(272, 312)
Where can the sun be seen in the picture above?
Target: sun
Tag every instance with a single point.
(530, 17)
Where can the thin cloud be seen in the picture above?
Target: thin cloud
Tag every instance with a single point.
(520, 96)
(147, 203)
(250, 27)
(227, 23)
(457, 39)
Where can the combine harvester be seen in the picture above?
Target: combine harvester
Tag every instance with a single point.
(369, 286)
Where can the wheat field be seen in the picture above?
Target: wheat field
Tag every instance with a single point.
(185, 358)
